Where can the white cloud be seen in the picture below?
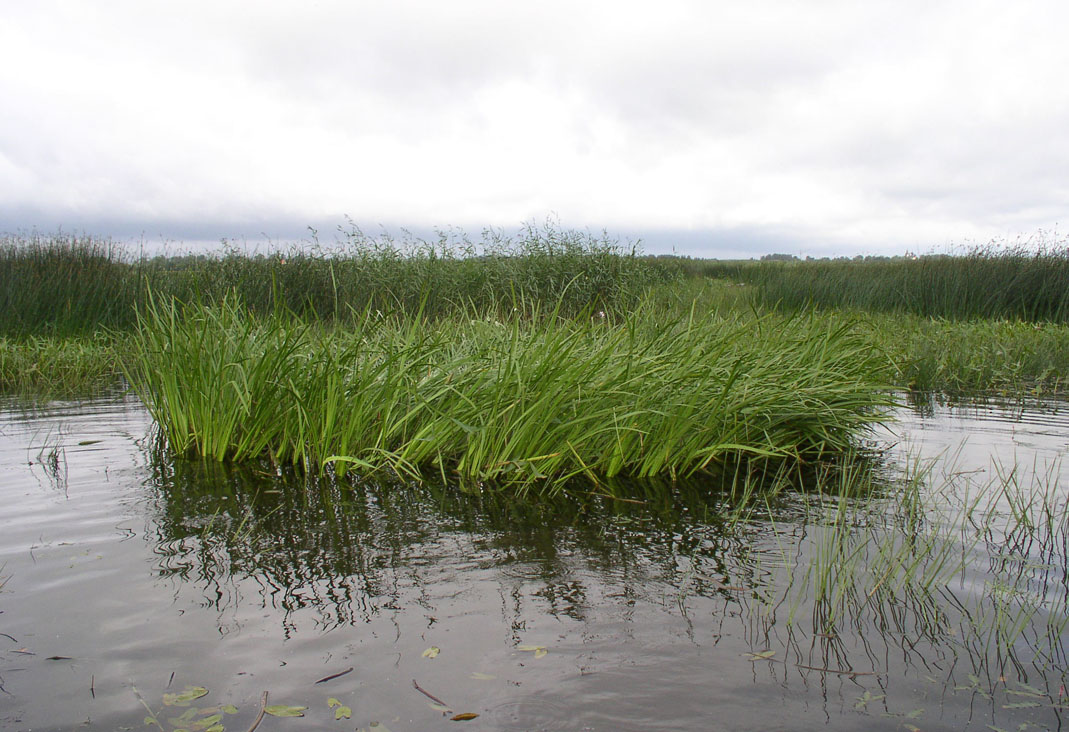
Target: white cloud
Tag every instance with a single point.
(858, 126)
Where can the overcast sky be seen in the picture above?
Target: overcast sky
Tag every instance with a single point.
(714, 128)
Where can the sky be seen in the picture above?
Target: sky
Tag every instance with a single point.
(704, 128)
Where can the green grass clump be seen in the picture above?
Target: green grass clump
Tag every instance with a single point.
(505, 399)
(975, 357)
(1019, 283)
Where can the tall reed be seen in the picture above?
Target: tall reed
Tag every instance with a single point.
(1029, 283)
(62, 285)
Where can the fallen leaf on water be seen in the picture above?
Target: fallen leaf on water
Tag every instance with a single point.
(439, 708)
(88, 442)
(478, 676)
(464, 717)
(282, 710)
(539, 651)
(432, 652)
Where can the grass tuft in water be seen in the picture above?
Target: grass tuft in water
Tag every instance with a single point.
(505, 398)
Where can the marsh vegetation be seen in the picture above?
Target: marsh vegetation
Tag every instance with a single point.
(399, 435)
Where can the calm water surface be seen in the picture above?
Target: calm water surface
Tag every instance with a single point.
(128, 576)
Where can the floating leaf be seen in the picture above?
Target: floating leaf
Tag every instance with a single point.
(539, 651)
(216, 728)
(432, 652)
(185, 719)
(184, 699)
(1021, 705)
(464, 717)
(481, 676)
(332, 702)
(152, 720)
(88, 442)
(343, 712)
(209, 721)
(282, 710)
(915, 714)
(229, 709)
(439, 708)
(761, 655)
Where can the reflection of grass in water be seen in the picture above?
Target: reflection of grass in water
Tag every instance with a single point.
(823, 564)
(978, 569)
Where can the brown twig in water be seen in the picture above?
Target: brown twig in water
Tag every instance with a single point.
(92, 686)
(334, 676)
(431, 696)
(260, 716)
(8, 636)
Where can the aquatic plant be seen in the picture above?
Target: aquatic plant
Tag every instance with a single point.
(63, 285)
(60, 366)
(1028, 281)
(514, 399)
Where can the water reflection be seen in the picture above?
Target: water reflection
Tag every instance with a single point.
(821, 592)
(349, 550)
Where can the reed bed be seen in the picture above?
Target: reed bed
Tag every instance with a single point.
(69, 285)
(1027, 282)
(504, 398)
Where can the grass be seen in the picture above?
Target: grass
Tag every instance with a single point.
(974, 357)
(64, 285)
(56, 367)
(1027, 282)
(934, 556)
(516, 400)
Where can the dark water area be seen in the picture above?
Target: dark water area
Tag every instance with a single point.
(128, 576)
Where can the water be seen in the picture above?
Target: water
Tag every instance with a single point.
(128, 576)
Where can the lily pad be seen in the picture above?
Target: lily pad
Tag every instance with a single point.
(340, 710)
